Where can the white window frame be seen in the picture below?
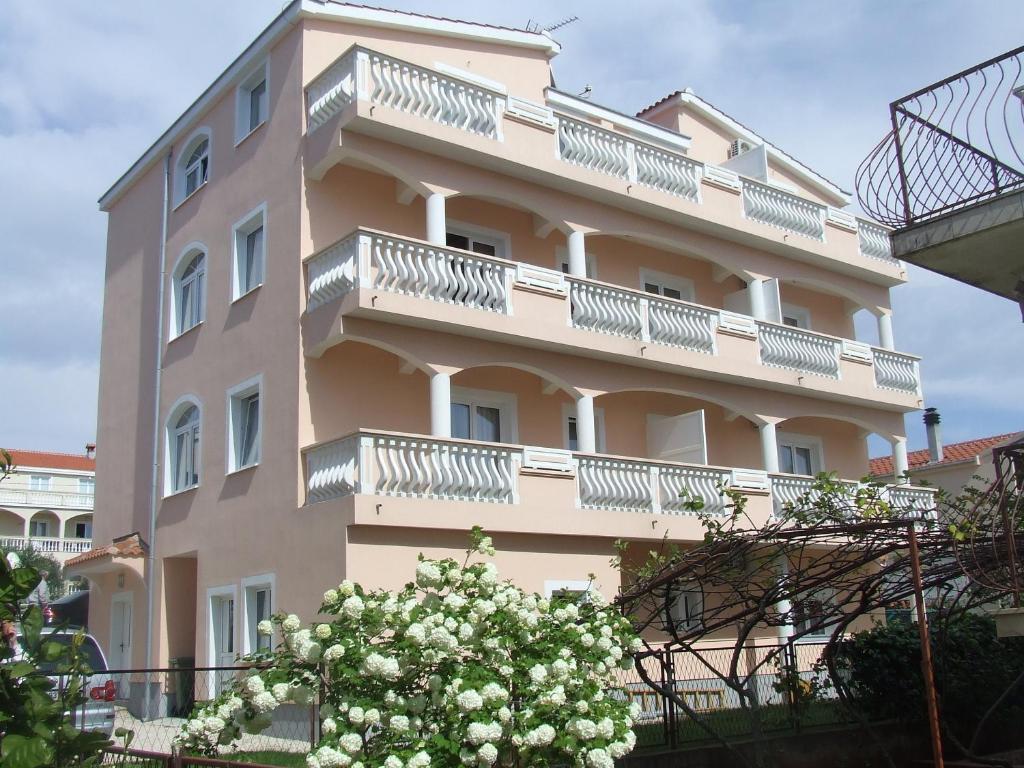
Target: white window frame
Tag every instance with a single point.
(827, 599)
(219, 592)
(240, 231)
(664, 280)
(562, 262)
(569, 412)
(812, 443)
(501, 241)
(88, 529)
(689, 619)
(171, 468)
(185, 259)
(37, 524)
(802, 315)
(568, 585)
(236, 397)
(243, 102)
(87, 481)
(40, 482)
(505, 402)
(181, 166)
(250, 586)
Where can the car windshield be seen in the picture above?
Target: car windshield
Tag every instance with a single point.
(91, 654)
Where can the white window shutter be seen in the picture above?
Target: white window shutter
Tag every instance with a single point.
(678, 438)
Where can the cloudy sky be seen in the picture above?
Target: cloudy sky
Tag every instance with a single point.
(84, 91)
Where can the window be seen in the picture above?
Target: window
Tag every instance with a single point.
(83, 530)
(39, 528)
(485, 245)
(685, 609)
(183, 439)
(39, 482)
(570, 437)
(258, 596)
(562, 261)
(87, 486)
(252, 103)
(579, 589)
(244, 425)
(483, 415)
(189, 291)
(799, 454)
(249, 243)
(811, 612)
(669, 286)
(796, 317)
(192, 168)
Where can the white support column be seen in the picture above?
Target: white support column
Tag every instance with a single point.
(441, 405)
(784, 606)
(585, 433)
(757, 303)
(577, 254)
(769, 447)
(436, 223)
(885, 339)
(900, 463)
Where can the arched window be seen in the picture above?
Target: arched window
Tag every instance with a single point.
(197, 166)
(183, 445)
(189, 292)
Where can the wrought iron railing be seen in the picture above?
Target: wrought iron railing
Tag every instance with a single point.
(954, 143)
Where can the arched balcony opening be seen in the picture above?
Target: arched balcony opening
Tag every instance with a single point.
(511, 229)
(12, 526)
(78, 527)
(808, 445)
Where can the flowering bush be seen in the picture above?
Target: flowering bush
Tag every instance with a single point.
(458, 668)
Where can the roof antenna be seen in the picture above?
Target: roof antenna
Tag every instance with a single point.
(563, 23)
(585, 93)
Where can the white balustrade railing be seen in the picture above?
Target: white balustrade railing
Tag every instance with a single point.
(421, 467)
(894, 370)
(677, 324)
(798, 489)
(782, 209)
(783, 346)
(604, 151)
(47, 544)
(643, 486)
(913, 501)
(441, 98)
(874, 241)
(48, 499)
(409, 267)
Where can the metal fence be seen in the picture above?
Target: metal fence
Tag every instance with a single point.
(698, 679)
(154, 704)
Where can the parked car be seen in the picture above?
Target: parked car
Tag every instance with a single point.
(72, 609)
(97, 713)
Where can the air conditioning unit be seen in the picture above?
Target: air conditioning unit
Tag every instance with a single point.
(738, 147)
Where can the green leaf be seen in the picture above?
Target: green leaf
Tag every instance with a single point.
(25, 751)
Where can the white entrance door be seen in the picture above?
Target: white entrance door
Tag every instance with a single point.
(119, 655)
(677, 438)
(223, 639)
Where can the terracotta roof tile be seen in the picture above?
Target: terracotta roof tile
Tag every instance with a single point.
(125, 546)
(951, 454)
(47, 460)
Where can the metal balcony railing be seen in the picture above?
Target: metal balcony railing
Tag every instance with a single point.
(952, 144)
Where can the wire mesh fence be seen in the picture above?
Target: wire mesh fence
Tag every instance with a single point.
(770, 691)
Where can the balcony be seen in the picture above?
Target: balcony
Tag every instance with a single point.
(950, 176)
(386, 277)
(609, 158)
(46, 544)
(789, 489)
(551, 490)
(17, 497)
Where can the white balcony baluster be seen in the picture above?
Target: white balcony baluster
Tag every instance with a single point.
(680, 483)
(668, 172)
(440, 274)
(605, 309)
(333, 273)
(896, 371)
(789, 489)
(783, 210)
(783, 346)
(48, 499)
(331, 91)
(913, 502)
(874, 241)
(642, 486)
(682, 325)
(331, 470)
(593, 147)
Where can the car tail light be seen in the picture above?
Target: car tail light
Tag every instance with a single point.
(106, 692)
(48, 615)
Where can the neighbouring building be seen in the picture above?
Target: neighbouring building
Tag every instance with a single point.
(47, 503)
(953, 466)
(383, 282)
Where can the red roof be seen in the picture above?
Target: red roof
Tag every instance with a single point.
(44, 460)
(131, 545)
(951, 454)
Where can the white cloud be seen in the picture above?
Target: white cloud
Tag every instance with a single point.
(85, 91)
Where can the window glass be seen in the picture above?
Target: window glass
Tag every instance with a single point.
(470, 243)
(802, 460)
(574, 438)
(83, 530)
(39, 528)
(250, 423)
(190, 293)
(488, 424)
(86, 485)
(791, 321)
(185, 471)
(253, 267)
(256, 99)
(39, 482)
(457, 241)
(197, 167)
(460, 421)
(262, 598)
(687, 610)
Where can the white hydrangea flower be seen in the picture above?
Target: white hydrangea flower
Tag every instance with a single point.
(351, 742)
(300, 694)
(391, 761)
(419, 760)
(291, 623)
(280, 691)
(606, 631)
(265, 627)
(399, 723)
(372, 716)
(353, 607)
(331, 758)
(382, 666)
(486, 547)
(356, 715)
(329, 725)
(493, 692)
(470, 700)
(583, 729)
(264, 702)
(599, 758)
(582, 707)
(322, 631)
(478, 733)
(330, 597)
(538, 673)
(553, 698)
(605, 728)
(487, 754)
(466, 632)
(455, 601)
(559, 669)
(603, 643)
(334, 652)
(312, 762)
(636, 645)
(254, 684)
(428, 575)
(213, 725)
(346, 588)
(540, 736)
(504, 715)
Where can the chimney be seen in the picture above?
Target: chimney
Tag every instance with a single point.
(931, 425)
(90, 450)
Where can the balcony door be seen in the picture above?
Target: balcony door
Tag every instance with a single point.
(119, 653)
(485, 415)
(677, 438)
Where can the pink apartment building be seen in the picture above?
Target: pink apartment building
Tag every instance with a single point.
(383, 282)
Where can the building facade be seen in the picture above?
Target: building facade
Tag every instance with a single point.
(384, 282)
(47, 503)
